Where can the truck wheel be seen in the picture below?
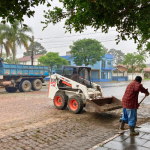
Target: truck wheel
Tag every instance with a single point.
(60, 100)
(11, 89)
(19, 87)
(36, 85)
(75, 104)
(26, 86)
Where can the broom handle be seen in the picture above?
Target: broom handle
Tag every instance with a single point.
(142, 100)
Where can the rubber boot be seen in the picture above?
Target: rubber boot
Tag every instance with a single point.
(132, 132)
(122, 125)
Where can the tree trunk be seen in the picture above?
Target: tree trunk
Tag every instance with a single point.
(14, 52)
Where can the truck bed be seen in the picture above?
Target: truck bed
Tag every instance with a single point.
(23, 70)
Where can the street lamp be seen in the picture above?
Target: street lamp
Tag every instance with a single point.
(33, 48)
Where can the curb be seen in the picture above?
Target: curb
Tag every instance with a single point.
(106, 141)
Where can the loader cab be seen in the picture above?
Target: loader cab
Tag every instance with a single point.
(79, 74)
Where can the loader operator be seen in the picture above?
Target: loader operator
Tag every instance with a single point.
(130, 104)
(75, 77)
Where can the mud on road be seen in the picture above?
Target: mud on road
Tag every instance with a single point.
(30, 121)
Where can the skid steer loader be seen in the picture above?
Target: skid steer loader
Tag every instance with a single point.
(73, 88)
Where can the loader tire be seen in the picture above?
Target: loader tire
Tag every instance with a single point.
(60, 100)
(11, 89)
(75, 104)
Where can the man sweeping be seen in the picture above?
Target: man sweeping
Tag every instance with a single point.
(130, 104)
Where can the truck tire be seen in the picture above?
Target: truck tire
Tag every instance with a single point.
(11, 89)
(75, 104)
(60, 100)
(26, 86)
(36, 85)
(19, 87)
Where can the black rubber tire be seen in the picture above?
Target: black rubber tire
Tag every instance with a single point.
(11, 89)
(19, 87)
(63, 100)
(26, 86)
(77, 109)
(36, 85)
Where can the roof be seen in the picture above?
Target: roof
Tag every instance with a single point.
(26, 58)
(146, 69)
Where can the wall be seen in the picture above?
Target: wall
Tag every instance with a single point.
(134, 75)
(35, 62)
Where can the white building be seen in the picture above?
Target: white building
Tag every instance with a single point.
(26, 60)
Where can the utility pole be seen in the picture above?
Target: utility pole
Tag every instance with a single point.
(32, 50)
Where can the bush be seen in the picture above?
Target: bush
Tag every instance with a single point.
(146, 75)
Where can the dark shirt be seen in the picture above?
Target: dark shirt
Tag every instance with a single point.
(130, 98)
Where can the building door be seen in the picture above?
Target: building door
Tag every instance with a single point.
(109, 75)
(102, 75)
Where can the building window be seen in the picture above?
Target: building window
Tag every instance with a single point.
(103, 63)
(108, 62)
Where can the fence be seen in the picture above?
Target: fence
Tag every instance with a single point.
(120, 76)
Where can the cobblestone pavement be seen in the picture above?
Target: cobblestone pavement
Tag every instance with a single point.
(30, 121)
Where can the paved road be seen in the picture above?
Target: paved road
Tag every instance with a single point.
(118, 89)
(30, 121)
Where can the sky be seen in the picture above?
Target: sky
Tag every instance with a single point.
(54, 38)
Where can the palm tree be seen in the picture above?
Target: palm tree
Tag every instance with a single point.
(5, 45)
(16, 36)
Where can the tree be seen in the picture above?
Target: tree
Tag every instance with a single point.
(10, 10)
(133, 61)
(87, 51)
(53, 60)
(38, 49)
(129, 17)
(9, 59)
(118, 56)
(16, 36)
(4, 45)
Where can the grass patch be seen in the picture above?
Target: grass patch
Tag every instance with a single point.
(53, 138)
(36, 136)
(14, 138)
(38, 131)
(146, 79)
(100, 145)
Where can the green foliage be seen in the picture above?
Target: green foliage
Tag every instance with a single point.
(9, 59)
(87, 51)
(118, 56)
(53, 60)
(14, 36)
(127, 16)
(37, 50)
(133, 61)
(146, 75)
(10, 10)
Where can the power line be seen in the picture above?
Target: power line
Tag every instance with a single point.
(67, 46)
(55, 43)
(72, 35)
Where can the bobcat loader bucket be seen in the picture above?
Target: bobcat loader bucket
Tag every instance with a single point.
(103, 104)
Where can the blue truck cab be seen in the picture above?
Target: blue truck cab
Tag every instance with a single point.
(22, 77)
